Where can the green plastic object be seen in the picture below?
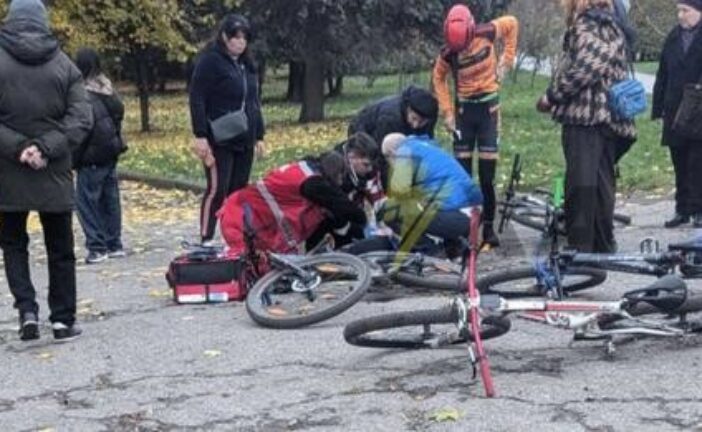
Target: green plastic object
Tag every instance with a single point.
(558, 193)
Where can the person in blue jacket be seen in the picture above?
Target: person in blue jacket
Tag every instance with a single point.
(431, 191)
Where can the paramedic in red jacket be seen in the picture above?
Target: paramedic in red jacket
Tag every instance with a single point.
(290, 204)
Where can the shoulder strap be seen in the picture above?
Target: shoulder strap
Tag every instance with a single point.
(246, 84)
(453, 61)
(278, 214)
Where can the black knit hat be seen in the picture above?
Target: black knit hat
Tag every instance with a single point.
(421, 101)
(697, 4)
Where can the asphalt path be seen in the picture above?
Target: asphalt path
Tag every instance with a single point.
(146, 364)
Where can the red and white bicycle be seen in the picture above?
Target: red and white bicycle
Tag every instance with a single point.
(660, 309)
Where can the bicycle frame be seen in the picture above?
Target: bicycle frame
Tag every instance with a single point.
(472, 311)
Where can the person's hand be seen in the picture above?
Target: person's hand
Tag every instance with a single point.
(201, 149)
(543, 105)
(261, 151)
(33, 157)
(450, 123)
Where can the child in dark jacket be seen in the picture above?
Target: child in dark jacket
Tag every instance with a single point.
(97, 189)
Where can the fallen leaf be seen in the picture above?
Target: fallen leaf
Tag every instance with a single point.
(159, 293)
(86, 302)
(212, 353)
(45, 356)
(445, 414)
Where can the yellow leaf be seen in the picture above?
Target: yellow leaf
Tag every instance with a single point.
(445, 414)
(158, 293)
(212, 353)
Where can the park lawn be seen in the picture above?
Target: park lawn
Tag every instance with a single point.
(646, 67)
(165, 151)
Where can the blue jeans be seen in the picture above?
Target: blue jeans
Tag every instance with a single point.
(99, 208)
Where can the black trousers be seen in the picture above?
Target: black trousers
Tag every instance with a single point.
(230, 173)
(687, 161)
(58, 238)
(590, 187)
(480, 124)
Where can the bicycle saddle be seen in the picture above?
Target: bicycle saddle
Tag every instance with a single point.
(666, 294)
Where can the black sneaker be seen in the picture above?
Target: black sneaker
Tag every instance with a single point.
(677, 220)
(29, 326)
(64, 333)
(117, 253)
(96, 257)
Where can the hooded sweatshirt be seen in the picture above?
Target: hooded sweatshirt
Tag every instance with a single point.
(43, 104)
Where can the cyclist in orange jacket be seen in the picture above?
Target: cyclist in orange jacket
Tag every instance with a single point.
(474, 116)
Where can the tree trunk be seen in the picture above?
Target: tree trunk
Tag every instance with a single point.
(296, 80)
(313, 92)
(143, 90)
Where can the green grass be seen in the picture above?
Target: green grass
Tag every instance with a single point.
(646, 67)
(166, 151)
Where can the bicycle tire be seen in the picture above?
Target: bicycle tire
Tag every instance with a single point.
(263, 302)
(434, 274)
(370, 332)
(522, 281)
(535, 218)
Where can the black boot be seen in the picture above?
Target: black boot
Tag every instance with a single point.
(677, 220)
(489, 235)
(697, 220)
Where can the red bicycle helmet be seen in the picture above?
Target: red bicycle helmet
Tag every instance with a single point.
(459, 28)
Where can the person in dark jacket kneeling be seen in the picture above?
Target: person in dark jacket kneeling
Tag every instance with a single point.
(44, 116)
(681, 64)
(97, 188)
(413, 112)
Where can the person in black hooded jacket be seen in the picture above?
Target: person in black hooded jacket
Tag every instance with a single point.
(44, 116)
(413, 112)
(225, 80)
(97, 188)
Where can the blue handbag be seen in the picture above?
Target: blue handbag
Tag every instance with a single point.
(627, 99)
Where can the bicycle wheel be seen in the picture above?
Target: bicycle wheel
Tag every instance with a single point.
(523, 281)
(415, 270)
(418, 329)
(531, 217)
(280, 299)
(535, 217)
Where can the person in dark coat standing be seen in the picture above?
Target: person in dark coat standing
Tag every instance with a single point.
(225, 80)
(97, 188)
(681, 64)
(44, 116)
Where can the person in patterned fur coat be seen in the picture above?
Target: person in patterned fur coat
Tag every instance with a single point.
(594, 58)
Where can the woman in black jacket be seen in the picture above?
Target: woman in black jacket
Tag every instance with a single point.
(225, 80)
(97, 189)
(681, 64)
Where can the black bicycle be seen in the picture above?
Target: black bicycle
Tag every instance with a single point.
(532, 210)
(561, 272)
